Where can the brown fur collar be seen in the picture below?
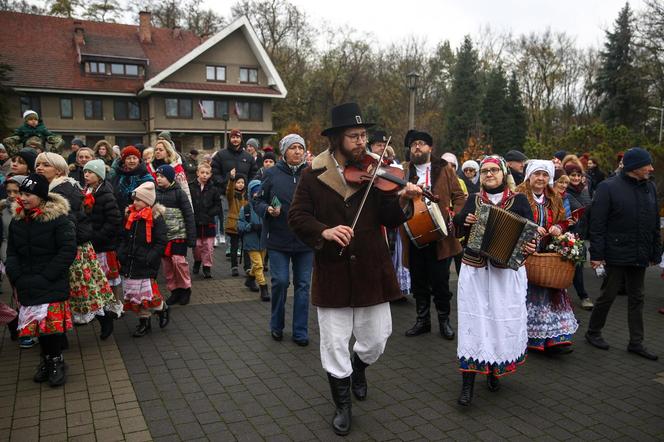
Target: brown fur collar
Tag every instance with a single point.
(54, 207)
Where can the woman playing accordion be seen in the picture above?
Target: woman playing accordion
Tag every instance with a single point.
(491, 297)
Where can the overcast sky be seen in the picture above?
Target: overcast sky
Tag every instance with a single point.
(394, 20)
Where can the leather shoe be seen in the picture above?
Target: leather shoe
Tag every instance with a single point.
(301, 342)
(446, 330)
(597, 341)
(277, 336)
(641, 351)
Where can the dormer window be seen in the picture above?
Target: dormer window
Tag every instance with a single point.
(248, 75)
(119, 69)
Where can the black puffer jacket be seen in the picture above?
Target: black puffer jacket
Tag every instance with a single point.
(624, 223)
(138, 258)
(77, 174)
(74, 195)
(179, 215)
(40, 252)
(207, 202)
(105, 219)
(227, 159)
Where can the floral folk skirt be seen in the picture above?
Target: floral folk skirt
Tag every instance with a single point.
(551, 320)
(45, 319)
(89, 292)
(141, 294)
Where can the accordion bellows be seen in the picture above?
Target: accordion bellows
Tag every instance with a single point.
(500, 235)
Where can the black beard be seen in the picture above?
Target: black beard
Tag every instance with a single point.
(422, 159)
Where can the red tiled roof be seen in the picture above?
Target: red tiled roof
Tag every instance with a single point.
(42, 52)
(217, 87)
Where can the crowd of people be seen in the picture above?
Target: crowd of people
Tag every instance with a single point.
(85, 237)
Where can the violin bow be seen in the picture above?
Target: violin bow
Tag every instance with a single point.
(368, 189)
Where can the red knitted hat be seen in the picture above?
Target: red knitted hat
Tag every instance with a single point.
(130, 150)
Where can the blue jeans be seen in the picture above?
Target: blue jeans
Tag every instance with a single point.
(280, 271)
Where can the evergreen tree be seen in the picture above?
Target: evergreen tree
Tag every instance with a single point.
(517, 114)
(495, 112)
(619, 85)
(103, 10)
(465, 99)
(64, 8)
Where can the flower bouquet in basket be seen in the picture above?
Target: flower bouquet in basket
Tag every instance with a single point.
(568, 246)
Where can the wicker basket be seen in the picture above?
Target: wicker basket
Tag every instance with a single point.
(549, 270)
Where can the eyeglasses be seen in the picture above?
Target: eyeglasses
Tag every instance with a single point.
(418, 144)
(492, 171)
(356, 137)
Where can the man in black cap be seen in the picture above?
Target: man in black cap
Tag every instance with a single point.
(430, 265)
(625, 239)
(75, 145)
(516, 161)
(353, 278)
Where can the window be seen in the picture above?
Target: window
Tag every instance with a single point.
(208, 141)
(248, 75)
(128, 140)
(66, 108)
(215, 73)
(178, 107)
(95, 67)
(131, 70)
(94, 109)
(249, 110)
(213, 108)
(117, 69)
(127, 110)
(30, 102)
(91, 140)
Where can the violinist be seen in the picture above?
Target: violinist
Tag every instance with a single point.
(430, 266)
(351, 290)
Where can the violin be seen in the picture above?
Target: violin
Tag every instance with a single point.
(388, 178)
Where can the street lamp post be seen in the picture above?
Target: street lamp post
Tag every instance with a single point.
(661, 120)
(225, 117)
(412, 78)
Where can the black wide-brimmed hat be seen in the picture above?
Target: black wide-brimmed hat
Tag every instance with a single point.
(344, 116)
(378, 136)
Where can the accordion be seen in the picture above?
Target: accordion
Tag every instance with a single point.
(501, 235)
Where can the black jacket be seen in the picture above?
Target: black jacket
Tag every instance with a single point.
(40, 252)
(207, 202)
(624, 223)
(280, 181)
(138, 258)
(596, 176)
(74, 195)
(78, 175)
(576, 201)
(105, 218)
(227, 159)
(173, 198)
(190, 166)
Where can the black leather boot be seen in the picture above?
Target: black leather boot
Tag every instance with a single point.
(358, 378)
(342, 401)
(250, 283)
(265, 293)
(186, 296)
(207, 273)
(446, 330)
(493, 382)
(423, 322)
(466, 396)
(197, 267)
(176, 296)
(106, 323)
(57, 371)
(164, 316)
(41, 374)
(144, 327)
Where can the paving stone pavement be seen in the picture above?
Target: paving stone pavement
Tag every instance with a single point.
(215, 374)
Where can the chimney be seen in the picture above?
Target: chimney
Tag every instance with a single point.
(79, 36)
(145, 26)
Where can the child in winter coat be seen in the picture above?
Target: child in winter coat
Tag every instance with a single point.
(42, 246)
(237, 198)
(32, 127)
(142, 245)
(104, 215)
(250, 225)
(180, 234)
(207, 205)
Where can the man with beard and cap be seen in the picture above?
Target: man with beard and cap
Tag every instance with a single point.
(430, 265)
(353, 277)
(516, 162)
